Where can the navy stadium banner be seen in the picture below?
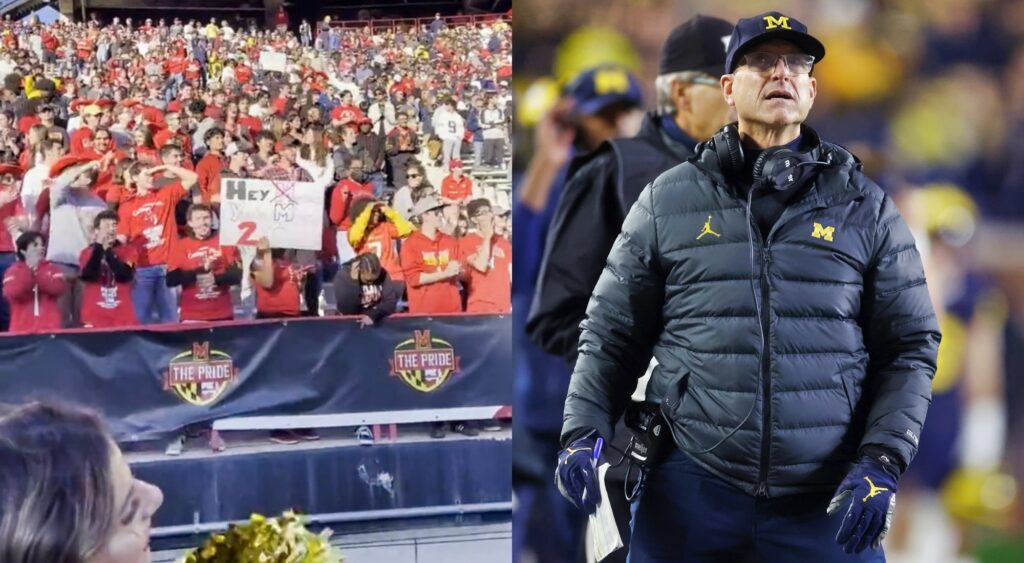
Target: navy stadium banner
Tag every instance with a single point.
(151, 381)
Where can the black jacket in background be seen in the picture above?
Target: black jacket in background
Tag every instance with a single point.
(601, 187)
(349, 293)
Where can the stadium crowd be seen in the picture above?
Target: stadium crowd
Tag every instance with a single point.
(114, 140)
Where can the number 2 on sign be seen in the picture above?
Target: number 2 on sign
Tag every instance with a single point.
(247, 228)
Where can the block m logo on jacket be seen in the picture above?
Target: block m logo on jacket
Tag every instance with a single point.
(823, 232)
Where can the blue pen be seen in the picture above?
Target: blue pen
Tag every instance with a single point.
(597, 448)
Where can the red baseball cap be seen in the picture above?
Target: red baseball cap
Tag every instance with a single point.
(162, 137)
(151, 114)
(455, 163)
(66, 162)
(12, 169)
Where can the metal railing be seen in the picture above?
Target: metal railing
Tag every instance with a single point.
(405, 23)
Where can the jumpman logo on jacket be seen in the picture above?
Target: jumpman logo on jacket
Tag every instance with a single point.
(874, 491)
(707, 229)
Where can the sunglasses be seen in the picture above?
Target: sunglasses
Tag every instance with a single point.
(413, 176)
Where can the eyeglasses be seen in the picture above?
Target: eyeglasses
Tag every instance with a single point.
(797, 63)
(412, 176)
(705, 80)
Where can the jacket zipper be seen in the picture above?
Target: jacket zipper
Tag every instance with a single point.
(766, 382)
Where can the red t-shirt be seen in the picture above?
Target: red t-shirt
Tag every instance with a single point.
(381, 241)
(347, 114)
(243, 74)
(148, 155)
(489, 292)
(421, 255)
(107, 302)
(456, 189)
(251, 122)
(209, 169)
(211, 303)
(84, 47)
(283, 297)
(192, 70)
(26, 123)
(342, 197)
(175, 65)
(148, 221)
(78, 137)
(116, 194)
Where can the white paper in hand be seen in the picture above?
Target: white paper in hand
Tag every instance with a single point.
(603, 534)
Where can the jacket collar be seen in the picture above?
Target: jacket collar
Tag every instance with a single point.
(651, 129)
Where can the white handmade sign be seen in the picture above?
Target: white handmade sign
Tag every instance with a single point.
(290, 214)
(270, 60)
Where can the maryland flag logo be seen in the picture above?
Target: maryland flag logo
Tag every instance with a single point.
(424, 363)
(200, 376)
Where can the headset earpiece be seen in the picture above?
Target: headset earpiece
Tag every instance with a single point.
(759, 164)
(729, 151)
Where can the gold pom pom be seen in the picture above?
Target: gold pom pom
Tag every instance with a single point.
(262, 540)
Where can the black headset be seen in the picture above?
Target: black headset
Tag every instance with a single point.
(779, 168)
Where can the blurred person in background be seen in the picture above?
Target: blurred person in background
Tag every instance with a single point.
(13, 221)
(966, 427)
(402, 145)
(584, 118)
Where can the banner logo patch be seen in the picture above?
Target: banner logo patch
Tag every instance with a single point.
(200, 376)
(423, 362)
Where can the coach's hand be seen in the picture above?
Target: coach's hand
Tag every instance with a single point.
(576, 475)
(870, 490)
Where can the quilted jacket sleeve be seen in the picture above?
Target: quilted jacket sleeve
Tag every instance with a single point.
(902, 337)
(622, 324)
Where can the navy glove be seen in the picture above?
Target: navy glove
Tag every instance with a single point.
(576, 475)
(870, 488)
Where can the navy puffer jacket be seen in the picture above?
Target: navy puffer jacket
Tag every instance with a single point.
(851, 337)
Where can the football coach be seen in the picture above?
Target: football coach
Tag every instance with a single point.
(783, 297)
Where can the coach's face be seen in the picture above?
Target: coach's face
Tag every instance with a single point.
(771, 95)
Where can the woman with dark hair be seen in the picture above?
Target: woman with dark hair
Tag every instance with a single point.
(32, 286)
(417, 187)
(145, 149)
(68, 496)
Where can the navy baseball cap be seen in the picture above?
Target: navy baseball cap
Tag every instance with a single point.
(770, 26)
(697, 44)
(600, 87)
